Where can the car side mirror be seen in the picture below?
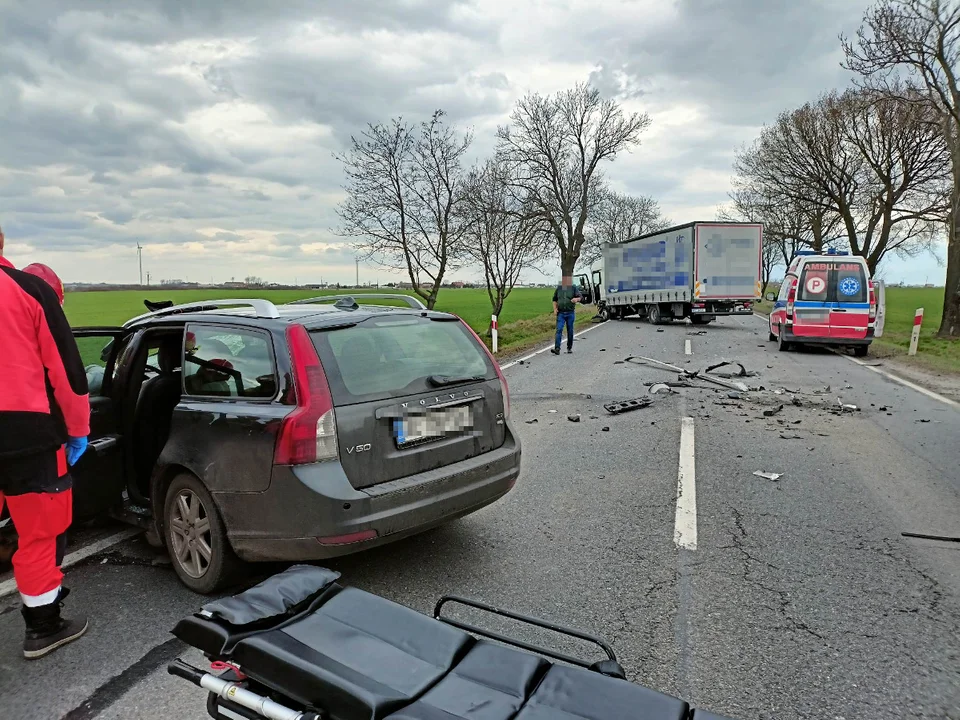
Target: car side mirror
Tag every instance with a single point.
(771, 297)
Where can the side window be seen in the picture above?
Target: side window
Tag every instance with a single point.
(785, 286)
(228, 362)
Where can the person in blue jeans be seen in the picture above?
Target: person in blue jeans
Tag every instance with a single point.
(565, 299)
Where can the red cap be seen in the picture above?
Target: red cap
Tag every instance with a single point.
(45, 273)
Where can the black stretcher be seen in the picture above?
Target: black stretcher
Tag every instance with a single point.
(299, 646)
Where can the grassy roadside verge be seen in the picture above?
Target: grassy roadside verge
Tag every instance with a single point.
(521, 335)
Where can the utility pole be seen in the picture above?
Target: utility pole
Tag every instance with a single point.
(140, 261)
(358, 271)
(148, 278)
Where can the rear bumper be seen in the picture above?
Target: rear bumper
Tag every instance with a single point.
(789, 336)
(724, 307)
(308, 502)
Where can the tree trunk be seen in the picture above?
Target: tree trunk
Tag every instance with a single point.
(568, 263)
(950, 324)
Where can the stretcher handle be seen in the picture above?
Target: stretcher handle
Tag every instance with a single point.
(187, 672)
(546, 624)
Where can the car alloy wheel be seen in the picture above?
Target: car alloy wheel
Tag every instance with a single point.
(191, 535)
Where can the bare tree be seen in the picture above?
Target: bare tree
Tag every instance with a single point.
(869, 161)
(505, 233)
(919, 41)
(555, 146)
(403, 186)
(618, 218)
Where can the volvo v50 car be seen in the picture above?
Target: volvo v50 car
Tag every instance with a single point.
(242, 430)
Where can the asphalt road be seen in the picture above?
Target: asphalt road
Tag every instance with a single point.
(798, 599)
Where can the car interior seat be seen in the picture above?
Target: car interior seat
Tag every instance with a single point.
(159, 396)
(360, 363)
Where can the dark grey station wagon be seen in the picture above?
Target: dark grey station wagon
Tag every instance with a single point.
(243, 430)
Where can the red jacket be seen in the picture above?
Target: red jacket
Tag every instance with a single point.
(43, 386)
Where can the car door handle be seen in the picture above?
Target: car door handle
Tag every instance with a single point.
(104, 443)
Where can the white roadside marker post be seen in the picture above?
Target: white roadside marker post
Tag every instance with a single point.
(493, 328)
(915, 335)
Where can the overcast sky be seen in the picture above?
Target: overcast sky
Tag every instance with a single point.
(205, 130)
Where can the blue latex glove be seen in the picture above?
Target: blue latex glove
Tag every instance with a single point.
(76, 446)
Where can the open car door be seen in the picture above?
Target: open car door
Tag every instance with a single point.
(98, 478)
(880, 290)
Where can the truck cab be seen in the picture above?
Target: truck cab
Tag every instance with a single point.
(827, 300)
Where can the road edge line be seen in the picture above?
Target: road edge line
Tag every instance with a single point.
(906, 383)
(897, 379)
(8, 587)
(548, 347)
(685, 519)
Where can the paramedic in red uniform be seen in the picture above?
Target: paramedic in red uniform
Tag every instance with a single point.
(43, 405)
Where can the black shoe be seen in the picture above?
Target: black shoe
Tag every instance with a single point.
(556, 351)
(569, 350)
(46, 630)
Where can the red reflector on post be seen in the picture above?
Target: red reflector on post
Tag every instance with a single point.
(348, 539)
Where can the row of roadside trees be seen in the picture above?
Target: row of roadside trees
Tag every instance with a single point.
(875, 168)
(415, 203)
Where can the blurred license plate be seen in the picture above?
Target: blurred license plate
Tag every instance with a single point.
(432, 425)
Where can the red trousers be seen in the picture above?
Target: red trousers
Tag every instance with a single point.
(41, 519)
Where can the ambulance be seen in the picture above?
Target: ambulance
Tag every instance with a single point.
(827, 300)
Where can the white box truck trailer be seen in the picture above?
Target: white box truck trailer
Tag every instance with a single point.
(700, 271)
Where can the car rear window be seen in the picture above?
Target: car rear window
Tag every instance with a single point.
(383, 358)
(833, 281)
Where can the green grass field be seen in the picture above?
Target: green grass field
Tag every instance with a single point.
(526, 316)
(902, 303)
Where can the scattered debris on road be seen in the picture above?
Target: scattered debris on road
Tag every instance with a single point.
(768, 475)
(551, 411)
(772, 412)
(627, 405)
(660, 387)
(531, 422)
(922, 536)
(574, 418)
(605, 428)
(689, 374)
(697, 332)
(735, 395)
(790, 436)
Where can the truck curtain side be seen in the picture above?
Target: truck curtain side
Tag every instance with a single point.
(698, 270)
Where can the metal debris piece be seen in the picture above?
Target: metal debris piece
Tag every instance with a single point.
(790, 436)
(606, 428)
(743, 371)
(531, 422)
(691, 375)
(627, 405)
(924, 420)
(594, 417)
(772, 412)
(847, 407)
(660, 387)
(574, 418)
(697, 332)
(768, 475)
(551, 411)
(796, 401)
(735, 395)
(944, 538)
(659, 329)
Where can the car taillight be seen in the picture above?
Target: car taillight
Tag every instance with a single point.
(791, 298)
(873, 302)
(503, 381)
(309, 433)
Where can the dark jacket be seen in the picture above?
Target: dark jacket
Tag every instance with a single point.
(43, 387)
(563, 297)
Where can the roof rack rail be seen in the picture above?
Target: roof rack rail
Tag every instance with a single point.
(409, 299)
(262, 308)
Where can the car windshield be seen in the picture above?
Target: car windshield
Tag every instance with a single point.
(383, 358)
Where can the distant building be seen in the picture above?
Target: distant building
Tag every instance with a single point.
(456, 284)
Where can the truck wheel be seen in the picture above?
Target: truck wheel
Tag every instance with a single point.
(654, 315)
(783, 345)
(196, 538)
(604, 314)
(861, 350)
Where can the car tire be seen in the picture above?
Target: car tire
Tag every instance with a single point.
(861, 350)
(772, 336)
(196, 538)
(783, 345)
